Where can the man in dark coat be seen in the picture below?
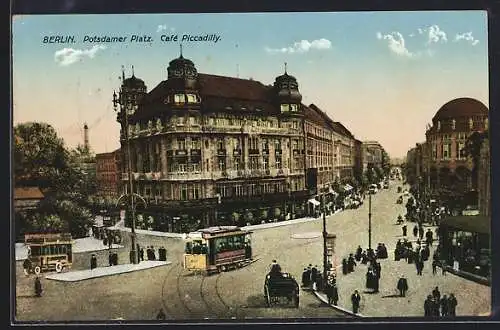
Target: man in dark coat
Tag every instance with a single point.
(452, 305)
(141, 253)
(420, 265)
(355, 299)
(305, 277)
(444, 305)
(38, 287)
(428, 237)
(436, 294)
(350, 263)
(335, 295)
(402, 286)
(428, 306)
(359, 250)
(314, 274)
(415, 231)
(161, 315)
(344, 266)
(404, 228)
(421, 232)
(434, 266)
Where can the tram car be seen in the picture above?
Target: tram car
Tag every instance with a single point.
(281, 289)
(217, 249)
(48, 252)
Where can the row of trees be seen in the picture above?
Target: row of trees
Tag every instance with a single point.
(42, 160)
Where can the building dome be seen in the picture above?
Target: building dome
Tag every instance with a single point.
(134, 82)
(287, 88)
(461, 107)
(182, 68)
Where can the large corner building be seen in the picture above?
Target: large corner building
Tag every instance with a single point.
(207, 149)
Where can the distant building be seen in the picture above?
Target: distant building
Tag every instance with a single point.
(454, 122)
(108, 173)
(373, 154)
(27, 198)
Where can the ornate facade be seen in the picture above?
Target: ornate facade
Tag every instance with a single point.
(109, 173)
(207, 149)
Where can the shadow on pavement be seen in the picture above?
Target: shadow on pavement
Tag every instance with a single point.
(256, 301)
(392, 296)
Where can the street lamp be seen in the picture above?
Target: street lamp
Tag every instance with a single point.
(369, 221)
(125, 106)
(325, 234)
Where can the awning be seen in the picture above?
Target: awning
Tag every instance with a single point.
(314, 202)
(348, 187)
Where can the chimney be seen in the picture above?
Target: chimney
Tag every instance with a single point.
(85, 136)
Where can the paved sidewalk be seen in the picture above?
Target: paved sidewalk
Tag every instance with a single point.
(473, 298)
(104, 271)
(321, 296)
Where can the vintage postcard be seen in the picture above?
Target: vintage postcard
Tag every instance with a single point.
(278, 166)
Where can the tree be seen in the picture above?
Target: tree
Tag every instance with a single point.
(40, 159)
(386, 163)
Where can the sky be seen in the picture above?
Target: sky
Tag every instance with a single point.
(383, 75)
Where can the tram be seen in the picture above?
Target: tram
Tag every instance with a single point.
(49, 252)
(217, 249)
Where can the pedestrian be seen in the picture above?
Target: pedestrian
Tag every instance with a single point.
(404, 230)
(428, 305)
(153, 253)
(358, 253)
(452, 305)
(444, 305)
(350, 263)
(420, 264)
(421, 232)
(305, 278)
(378, 269)
(93, 262)
(38, 287)
(355, 299)
(161, 315)
(335, 295)
(141, 253)
(415, 231)
(435, 307)
(436, 294)
(434, 266)
(429, 237)
(402, 286)
(27, 266)
(314, 275)
(443, 267)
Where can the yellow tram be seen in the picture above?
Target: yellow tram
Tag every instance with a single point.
(217, 249)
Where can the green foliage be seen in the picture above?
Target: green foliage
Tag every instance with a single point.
(41, 160)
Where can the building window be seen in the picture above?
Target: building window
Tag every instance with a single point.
(486, 123)
(471, 123)
(278, 162)
(285, 107)
(265, 144)
(179, 98)
(181, 144)
(222, 164)
(182, 167)
(439, 125)
(195, 143)
(222, 191)
(277, 144)
(461, 150)
(254, 143)
(237, 163)
(239, 191)
(220, 144)
(184, 192)
(191, 98)
(294, 107)
(265, 163)
(453, 124)
(446, 151)
(254, 163)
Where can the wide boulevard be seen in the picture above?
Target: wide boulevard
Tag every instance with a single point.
(237, 293)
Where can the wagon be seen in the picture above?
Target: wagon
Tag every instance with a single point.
(281, 290)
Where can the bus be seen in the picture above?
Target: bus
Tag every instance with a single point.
(217, 249)
(49, 251)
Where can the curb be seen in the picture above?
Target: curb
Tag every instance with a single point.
(54, 277)
(340, 309)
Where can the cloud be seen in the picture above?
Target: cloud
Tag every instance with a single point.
(411, 35)
(467, 36)
(164, 27)
(435, 34)
(396, 43)
(302, 46)
(68, 56)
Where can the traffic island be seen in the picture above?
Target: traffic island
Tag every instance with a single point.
(321, 296)
(81, 275)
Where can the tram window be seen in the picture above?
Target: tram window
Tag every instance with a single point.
(35, 251)
(231, 243)
(189, 248)
(45, 250)
(196, 247)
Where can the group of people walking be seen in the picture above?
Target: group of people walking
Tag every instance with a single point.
(435, 305)
(151, 253)
(312, 277)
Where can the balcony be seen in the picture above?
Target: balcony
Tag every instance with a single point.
(185, 176)
(195, 152)
(221, 152)
(180, 152)
(278, 151)
(253, 151)
(265, 151)
(237, 152)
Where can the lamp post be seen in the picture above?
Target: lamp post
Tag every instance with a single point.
(125, 106)
(325, 234)
(369, 221)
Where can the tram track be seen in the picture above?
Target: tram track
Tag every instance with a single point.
(223, 312)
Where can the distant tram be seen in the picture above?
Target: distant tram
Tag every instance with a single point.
(217, 249)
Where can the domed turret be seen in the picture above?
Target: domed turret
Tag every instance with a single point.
(287, 92)
(184, 71)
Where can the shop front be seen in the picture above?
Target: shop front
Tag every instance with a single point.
(465, 244)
